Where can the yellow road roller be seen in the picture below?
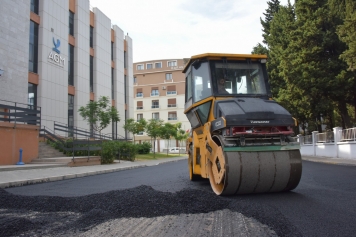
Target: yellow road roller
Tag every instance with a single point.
(241, 139)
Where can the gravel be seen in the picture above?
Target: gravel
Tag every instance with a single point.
(103, 213)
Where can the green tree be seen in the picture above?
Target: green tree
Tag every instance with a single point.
(166, 132)
(259, 49)
(273, 7)
(153, 129)
(135, 127)
(99, 114)
(180, 134)
(347, 34)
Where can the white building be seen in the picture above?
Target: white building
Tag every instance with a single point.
(159, 93)
(59, 55)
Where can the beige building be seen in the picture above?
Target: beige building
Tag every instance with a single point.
(159, 90)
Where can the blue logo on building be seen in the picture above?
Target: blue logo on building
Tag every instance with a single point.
(56, 46)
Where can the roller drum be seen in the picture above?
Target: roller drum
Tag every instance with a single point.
(259, 172)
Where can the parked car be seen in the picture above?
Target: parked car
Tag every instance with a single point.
(176, 150)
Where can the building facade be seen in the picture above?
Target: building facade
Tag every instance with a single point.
(159, 93)
(61, 54)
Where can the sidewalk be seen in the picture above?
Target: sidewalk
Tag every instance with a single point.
(15, 175)
(19, 175)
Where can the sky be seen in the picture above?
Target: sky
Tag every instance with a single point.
(172, 29)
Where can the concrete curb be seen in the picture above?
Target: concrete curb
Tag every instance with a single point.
(64, 177)
(104, 170)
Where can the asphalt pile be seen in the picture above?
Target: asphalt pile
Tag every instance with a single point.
(66, 216)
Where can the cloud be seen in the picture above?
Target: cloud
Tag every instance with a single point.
(163, 29)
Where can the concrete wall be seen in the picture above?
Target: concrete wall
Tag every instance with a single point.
(14, 49)
(334, 149)
(16, 136)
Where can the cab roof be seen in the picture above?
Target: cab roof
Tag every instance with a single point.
(220, 56)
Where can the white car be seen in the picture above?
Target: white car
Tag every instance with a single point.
(176, 150)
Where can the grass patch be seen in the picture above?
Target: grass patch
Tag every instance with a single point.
(158, 156)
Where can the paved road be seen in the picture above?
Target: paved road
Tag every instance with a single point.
(323, 204)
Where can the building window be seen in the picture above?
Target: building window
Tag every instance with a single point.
(168, 76)
(32, 96)
(71, 65)
(71, 23)
(158, 65)
(139, 105)
(172, 115)
(91, 37)
(112, 51)
(33, 54)
(114, 130)
(91, 130)
(155, 115)
(125, 89)
(139, 117)
(91, 74)
(70, 115)
(139, 94)
(172, 103)
(34, 6)
(134, 80)
(155, 104)
(112, 84)
(171, 90)
(125, 59)
(139, 66)
(154, 92)
(172, 63)
(149, 66)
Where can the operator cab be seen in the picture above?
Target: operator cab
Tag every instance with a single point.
(222, 76)
(232, 76)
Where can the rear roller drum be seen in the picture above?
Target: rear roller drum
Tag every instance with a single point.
(255, 172)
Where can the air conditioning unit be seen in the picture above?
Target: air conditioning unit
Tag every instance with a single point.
(163, 87)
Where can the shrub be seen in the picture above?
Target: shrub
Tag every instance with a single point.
(108, 152)
(127, 151)
(143, 148)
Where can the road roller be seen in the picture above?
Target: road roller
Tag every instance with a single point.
(240, 138)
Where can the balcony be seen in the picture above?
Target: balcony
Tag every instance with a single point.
(139, 107)
(155, 106)
(171, 92)
(154, 94)
(172, 105)
(172, 118)
(139, 95)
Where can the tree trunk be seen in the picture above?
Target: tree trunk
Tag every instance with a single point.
(318, 123)
(154, 148)
(346, 120)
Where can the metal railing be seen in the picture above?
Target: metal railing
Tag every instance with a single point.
(326, 137)
(308, 139)
(348, 135)
(81, 133)
(14, 112)
(73, 145)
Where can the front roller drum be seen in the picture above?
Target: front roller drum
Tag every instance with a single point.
(255, 172)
